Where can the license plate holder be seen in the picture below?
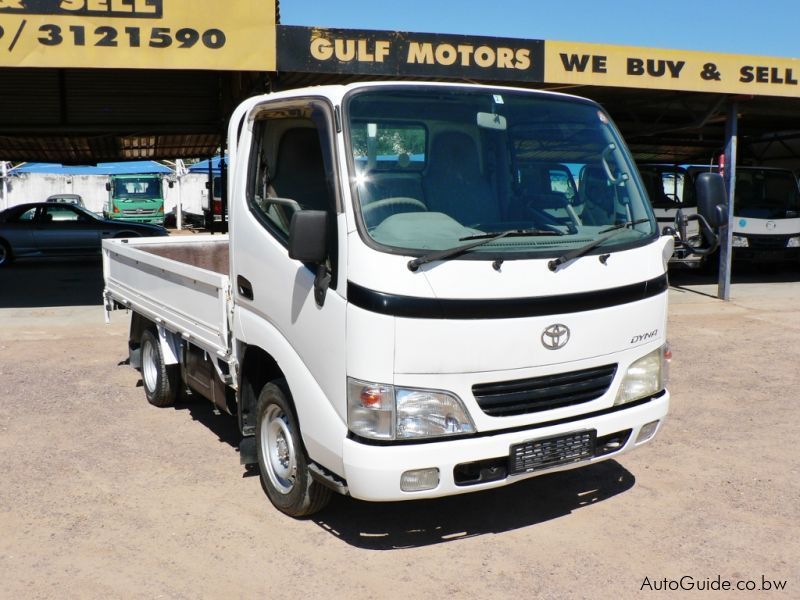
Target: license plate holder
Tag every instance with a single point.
(535, 455)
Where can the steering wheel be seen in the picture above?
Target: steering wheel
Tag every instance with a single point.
(391, 205)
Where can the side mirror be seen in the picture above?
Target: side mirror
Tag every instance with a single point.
(308, 236)
(308, 242)
(171, 184)
(108, 187)
(208, 185)
(712, 199)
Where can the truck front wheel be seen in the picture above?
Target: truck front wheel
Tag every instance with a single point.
(160, 380)
(281, 457)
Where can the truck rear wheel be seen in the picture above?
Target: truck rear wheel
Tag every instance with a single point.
(161, 381)
(282, 458)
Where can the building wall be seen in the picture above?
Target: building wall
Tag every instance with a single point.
(189, 190)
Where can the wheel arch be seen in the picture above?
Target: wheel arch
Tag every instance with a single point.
(256, 370)
(9, 252)
(139, 324)
(169, 342)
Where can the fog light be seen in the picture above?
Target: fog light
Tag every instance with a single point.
(419, 480)
(739, 241)
(646, 432)
(793, 242)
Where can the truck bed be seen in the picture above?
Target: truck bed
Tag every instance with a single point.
(180, 283)
(209, 255)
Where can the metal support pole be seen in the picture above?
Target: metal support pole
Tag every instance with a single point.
(726, 233)
(4, 182)
(209, 214)
(223, 178)
(180, 171)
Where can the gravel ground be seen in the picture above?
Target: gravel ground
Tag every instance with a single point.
(104, 496)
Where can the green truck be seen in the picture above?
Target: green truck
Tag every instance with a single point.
(138, 198)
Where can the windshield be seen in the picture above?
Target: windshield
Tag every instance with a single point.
(140, 188)
(435, 166)
(765, 194)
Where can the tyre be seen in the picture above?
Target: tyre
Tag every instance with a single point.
(5, 254)
(282, 458)
(161, 381)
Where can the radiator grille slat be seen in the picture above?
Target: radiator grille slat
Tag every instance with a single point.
(506, 398)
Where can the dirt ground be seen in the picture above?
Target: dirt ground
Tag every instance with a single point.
(104, 496)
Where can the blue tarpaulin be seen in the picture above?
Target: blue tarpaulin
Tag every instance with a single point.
(202, 166)
(117, 168)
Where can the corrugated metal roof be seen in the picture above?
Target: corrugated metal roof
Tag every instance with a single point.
(80, 116)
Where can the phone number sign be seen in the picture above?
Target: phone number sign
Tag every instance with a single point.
(138, 34)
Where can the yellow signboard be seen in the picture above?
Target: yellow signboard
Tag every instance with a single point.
(633, 67)
(138, 34)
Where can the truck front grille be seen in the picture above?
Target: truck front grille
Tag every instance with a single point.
(506, 398)
(140, 212)
(767, 242)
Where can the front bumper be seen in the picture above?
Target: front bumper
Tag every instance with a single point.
(373, 472)
(767, 254)
(159, 220)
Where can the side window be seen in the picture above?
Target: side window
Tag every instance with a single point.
(561, 182)
(673, 186)
(62, 214)
(291, 167)
(665, 188)
(27, 216)
(388, 146)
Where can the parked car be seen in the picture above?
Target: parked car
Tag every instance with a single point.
(67, 199)
(57, 229)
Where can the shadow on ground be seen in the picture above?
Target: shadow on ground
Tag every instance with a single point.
(395, 525)
(390, 526)
(42, 283)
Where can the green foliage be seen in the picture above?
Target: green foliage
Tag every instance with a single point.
(391, 140)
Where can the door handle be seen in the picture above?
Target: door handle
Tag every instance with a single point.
(244, 287)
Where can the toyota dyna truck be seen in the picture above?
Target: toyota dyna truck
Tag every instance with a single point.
(411, 301)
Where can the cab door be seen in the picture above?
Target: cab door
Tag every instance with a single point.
(286, 162)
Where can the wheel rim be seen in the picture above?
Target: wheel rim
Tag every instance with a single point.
(149, 366)
(278, 450)
(3, 254)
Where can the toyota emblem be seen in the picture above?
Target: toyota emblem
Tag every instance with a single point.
(555, 337)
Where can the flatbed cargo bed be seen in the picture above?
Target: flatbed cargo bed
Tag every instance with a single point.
(180, 283)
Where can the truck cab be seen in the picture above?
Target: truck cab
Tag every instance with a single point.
(766, 211)
(136, 198)
(456, 309)
(670, 189)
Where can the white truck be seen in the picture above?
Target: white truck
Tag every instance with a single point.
(405, 307)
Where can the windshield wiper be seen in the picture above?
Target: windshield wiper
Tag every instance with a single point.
(480, 240)
(578, 252)
(511, 233)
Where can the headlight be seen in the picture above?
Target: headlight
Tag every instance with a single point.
(644, 377)
(740, 241)
(793, 242)
(385, 412)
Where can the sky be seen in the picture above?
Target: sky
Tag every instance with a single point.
(759, 27)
